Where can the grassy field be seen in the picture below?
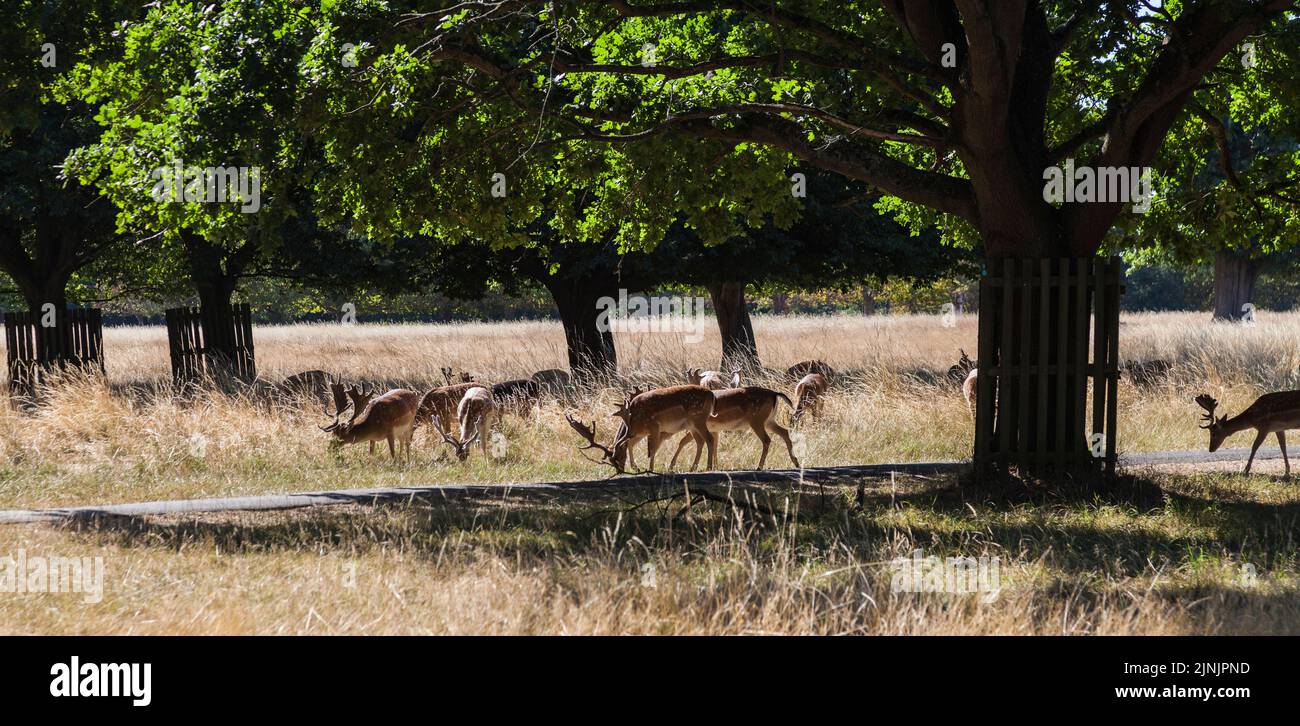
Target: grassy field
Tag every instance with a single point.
(1168, 551)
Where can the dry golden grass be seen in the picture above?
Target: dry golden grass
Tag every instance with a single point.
(133, 439)
(1165, 557)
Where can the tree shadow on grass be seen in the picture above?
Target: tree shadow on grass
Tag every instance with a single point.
(1059, 527)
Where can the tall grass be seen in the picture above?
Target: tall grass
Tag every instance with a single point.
(131, 437)
(1164, 553)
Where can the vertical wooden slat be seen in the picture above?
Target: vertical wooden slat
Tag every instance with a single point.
(1044, 346)
(1060, 439)
(1112, 364)
(1079, 373)
(985, 360)
(1024, 364)
(1100, 347)
(1005, 362)
(11, 350)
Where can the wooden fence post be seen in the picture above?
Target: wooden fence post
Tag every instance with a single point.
(1037, 319)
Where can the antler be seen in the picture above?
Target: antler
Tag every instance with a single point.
(1208, 403)
(437, 426)
(360, 397)
(340, 405)
(588, 432)
(446, 374)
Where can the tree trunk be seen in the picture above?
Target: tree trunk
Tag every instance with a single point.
(738, 347)
(1234, 284)
(214, 273)
(868, 300)
(780, 303)
(591, 346)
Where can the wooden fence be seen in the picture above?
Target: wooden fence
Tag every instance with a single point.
(211, 343)
(1039, 321)
(75, 339)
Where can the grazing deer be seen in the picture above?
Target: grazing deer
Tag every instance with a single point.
(968, 389)
(463, 378)
(306, 384)
(654, 416)
(552, 380)
(517, 396)
(475, 413)
(738, 409)
(959, 372)
(712, 380)
(389, 417)
(801, 369)
(1147, 372)
(1270, 413)
(809, 393)
(443, 402)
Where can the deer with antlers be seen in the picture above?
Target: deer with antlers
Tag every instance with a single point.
(475, 413)
(738, 409)
(388, 417)
(1271, 413)
(450, 379)
(653, 415)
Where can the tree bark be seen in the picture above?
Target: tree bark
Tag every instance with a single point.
(1234, 284)
(591, 348)
(780, 303)
(868, 300)
(739, 349)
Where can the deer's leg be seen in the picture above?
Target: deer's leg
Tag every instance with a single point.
(372, 448)
(1281, 441)
(652, 446)
(784, 435)
(701, 427)
(681, 444)
(1258, 440)
(765, 439)
(631, 447)
(699, 449)
(392, 448)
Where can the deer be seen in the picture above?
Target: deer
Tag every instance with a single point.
(738, 409)
(388, 417)
(809, 393)
(517, 396)
(307, 383)
(653, 415)
(553, 380)
(712, 380)
(968, 389)
(1271, 413)
(801, 369)
(463, 378)
(959, 372)
(443, 402)
(1146, 373)
(475, 413)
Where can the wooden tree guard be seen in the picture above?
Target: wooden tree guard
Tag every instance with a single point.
(212, 344)
(1034, 368)
(75, 339)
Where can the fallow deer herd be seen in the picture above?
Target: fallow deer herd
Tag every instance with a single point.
(709, 403)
